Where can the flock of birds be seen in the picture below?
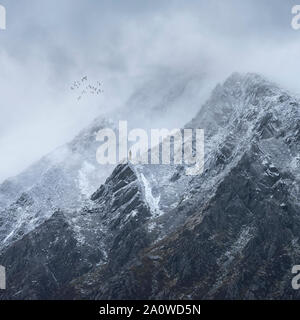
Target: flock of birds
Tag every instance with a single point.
(85, 87)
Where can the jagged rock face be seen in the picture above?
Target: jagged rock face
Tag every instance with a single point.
(70, 244)
(241, 245)
(233, 231)
(66, 178)
(45, 259)
(124, 215)
(229, 233)
(243, 111)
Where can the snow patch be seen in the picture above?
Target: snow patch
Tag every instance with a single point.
(84, 174)
(151, 200)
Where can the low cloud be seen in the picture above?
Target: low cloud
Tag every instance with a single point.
(49, 44)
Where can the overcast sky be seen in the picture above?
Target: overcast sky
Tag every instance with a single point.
(50, 43)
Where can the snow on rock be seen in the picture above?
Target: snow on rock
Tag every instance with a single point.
(84, 178)
(150, 199)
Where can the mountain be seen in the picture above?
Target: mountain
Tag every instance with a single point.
(151, 231)
(66, 178)
(233, 233)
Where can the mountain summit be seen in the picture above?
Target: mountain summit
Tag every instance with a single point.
(151, 232)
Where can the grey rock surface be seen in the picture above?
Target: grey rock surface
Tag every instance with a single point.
(152, 232)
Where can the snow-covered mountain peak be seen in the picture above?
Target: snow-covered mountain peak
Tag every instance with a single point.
(250, 179)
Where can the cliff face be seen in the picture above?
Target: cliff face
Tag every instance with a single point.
(152, 232)
(66, 178)
(241, 244)
(70, 244)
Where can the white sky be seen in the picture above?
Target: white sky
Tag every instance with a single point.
(50, 43)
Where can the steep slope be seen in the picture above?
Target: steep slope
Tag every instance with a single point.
(245, 109)
(66, 178)
(155, 232)
(70, 244)
(242, 244)
(45, 259)
(234, 231)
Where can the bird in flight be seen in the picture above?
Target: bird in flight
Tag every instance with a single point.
(86, 87)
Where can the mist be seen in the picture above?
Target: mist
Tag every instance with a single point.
(49, 44)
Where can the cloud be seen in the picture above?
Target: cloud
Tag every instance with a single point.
(48, 44)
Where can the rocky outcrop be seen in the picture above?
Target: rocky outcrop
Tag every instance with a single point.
(239, 237)
(68, 245)
(241, 245)
(45, 259)
(151, 232)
